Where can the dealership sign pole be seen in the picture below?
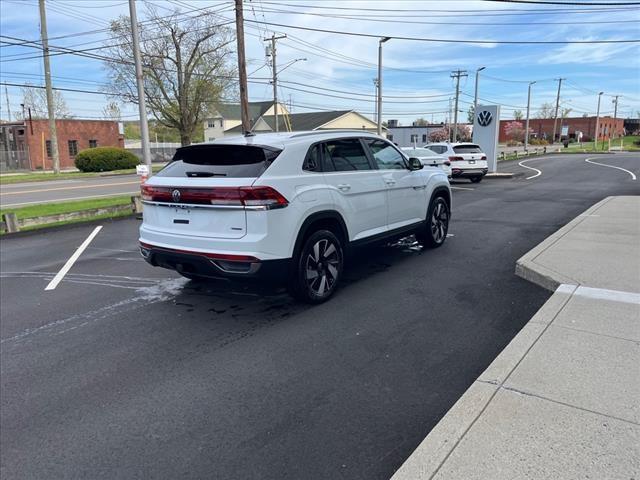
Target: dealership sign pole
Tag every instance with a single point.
(486, 129)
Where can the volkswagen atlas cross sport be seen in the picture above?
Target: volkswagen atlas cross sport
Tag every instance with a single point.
(287, 206)
(467, 159)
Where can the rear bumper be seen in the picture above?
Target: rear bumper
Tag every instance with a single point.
(468, 172)
(212, 265)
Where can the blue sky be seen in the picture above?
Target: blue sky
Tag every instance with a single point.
(417, 79)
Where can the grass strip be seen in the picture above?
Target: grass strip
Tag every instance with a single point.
(44, 209)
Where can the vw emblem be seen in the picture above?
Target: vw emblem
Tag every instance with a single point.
(175, 195)
(484, 118)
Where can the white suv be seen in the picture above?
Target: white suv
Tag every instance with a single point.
(467, 159)
(287, 206)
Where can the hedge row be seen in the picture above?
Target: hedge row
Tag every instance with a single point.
(105, 159)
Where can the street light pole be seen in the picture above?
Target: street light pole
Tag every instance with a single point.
(595, 143)
(475, 97)
(379, 99)
(526, 128)
(142, 108)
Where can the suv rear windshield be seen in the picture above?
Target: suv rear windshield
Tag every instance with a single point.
(220, 161)
(470, 148)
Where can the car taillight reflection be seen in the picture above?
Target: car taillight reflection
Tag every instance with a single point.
(456, 159)
(256, 197)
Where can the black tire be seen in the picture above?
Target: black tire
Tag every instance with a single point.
(317, 268)
(434, 232)
(475, 179)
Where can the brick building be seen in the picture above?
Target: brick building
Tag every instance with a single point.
(27, 145)
(543, 127)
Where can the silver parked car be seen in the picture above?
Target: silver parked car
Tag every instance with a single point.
(429, 159)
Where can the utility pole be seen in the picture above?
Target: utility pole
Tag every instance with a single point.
(475, 97)
(6, 93)
(242, 70)
(448, 119)
(526, 128)
(375, 108)
(595, 143)
(275, 75)
(47, 79)
(379, 99)
(142, 106)
(457, 74)
(615, 113)
(555, 117)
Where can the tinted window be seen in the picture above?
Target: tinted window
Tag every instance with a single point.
(345, 155)
(437, 148)
(220, 161)
(470, 148)
(386, 156)
(312, 161)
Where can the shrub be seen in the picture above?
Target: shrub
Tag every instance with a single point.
(512, 143)
(105, 159)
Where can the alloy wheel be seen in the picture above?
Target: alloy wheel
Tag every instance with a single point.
(322, 267)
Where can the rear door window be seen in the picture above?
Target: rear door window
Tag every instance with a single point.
(345, 155)
(470, 148)
(232, 161)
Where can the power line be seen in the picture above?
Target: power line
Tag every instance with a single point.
(448, 40)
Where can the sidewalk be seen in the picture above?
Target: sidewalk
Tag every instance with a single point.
(562, 401)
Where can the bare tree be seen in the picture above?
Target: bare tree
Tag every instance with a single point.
(420, 122)
(186, 65)
(36, 99)
(546, 110)
(564, 112)
(517, 114)
(112, 111)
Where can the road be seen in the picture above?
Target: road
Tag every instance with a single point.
(125, 371)
(23, 194)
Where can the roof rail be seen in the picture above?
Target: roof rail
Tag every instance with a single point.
(330, 131)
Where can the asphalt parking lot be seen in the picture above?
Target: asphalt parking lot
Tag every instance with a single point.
(126, 371)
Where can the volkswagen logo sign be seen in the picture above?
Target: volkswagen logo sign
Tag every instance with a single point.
(484, 118)
(175, 195)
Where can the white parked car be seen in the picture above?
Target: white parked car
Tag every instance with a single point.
(287, 206)
(429, 158)
(467, 159)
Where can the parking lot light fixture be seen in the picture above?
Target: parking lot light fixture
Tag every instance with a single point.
(475, 97)
(526, 128)
(595, 141)
(379, 99)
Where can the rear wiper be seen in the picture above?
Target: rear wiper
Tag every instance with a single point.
(205, 174)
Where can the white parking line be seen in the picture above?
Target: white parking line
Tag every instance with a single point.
(67, 266)
(633, 175)
(531, 168)
(461, 188)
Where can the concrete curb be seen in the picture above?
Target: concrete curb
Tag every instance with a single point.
(527, 268)
(498, 175)
(427, 459)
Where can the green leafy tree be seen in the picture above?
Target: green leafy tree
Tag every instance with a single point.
(186, 65)
(517, 114)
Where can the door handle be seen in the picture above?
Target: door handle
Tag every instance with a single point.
(420, 187)
(344, 187)
(390, 182)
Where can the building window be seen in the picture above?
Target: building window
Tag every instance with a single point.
(414, 138)
(73, 148)
(211, 123)
(93, 143)
(424, 137)
(49, 149)
(221, 123)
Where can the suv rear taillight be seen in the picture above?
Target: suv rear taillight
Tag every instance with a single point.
(456, 159)
(266, 198)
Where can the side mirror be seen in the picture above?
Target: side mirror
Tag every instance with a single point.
(415, 164)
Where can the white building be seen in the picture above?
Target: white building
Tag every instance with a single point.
(227, 116)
